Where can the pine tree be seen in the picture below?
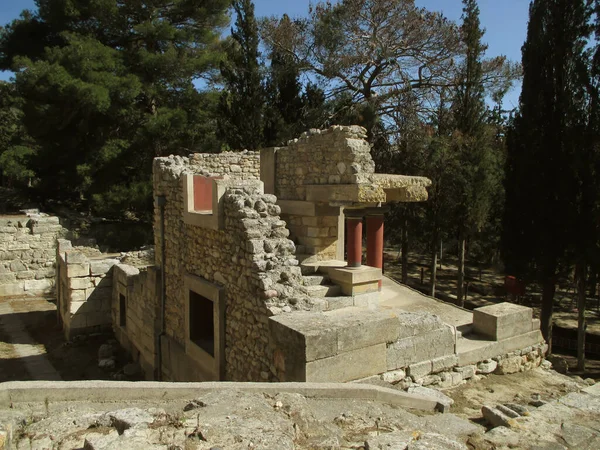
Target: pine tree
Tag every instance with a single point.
(542, 186)
(107, 86)
(241, 106)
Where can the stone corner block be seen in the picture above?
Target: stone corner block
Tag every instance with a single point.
(502, 321)
(75, 257)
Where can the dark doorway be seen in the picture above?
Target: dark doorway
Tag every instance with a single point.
(202, 328)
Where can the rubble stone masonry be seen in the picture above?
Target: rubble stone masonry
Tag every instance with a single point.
(251, 257)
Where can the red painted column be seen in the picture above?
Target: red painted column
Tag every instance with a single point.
(375, 241)
(354, 240)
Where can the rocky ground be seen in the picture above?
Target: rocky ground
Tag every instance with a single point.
(554, 412)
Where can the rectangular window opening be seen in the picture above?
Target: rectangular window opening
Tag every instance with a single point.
(202, 328)
(122, 310)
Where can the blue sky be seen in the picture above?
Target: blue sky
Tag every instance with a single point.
(505, 22)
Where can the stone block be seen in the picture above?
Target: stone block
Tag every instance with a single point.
(11, 289)
(8, 277)
(101, 267)
(443, 363)
(427, 346)
(80, 283)
(413, 324)
(304, 335)
(487, 366)
(466, 372)
(357, 328)
(77, 307)
(38, 285)
(502, 321)
(419, 370)
(348, 366)
(77, 295)
(75, 257)
(78, 270)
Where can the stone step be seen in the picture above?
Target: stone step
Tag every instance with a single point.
(339, 302)
(315, 280)
(328, 290)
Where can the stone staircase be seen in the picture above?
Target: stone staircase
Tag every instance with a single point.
(321, 288)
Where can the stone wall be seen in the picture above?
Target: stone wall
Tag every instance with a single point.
(84, 291)
(315, 236)
(234, 164)
(251, 257)
(27, 254)
(136, 313)
(354, 343)
(332, 156)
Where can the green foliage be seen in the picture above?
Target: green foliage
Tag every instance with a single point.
(106, 87)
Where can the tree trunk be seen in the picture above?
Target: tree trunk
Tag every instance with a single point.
(548, 290)
(593, 282)
(433, 274)
(405, 251)
(460, 301)
(581, 325)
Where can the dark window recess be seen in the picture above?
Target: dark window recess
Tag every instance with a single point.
(202, 328)
(122, 310)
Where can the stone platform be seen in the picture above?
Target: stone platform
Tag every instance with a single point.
(400, 333)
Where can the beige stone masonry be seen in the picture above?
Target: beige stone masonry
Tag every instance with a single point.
(502, 321)
(27, 254)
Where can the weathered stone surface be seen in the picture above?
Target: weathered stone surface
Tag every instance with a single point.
(348, 366)
(502, 321)
(487, 366)
(443, 400)
(497, 418)
(429, 345)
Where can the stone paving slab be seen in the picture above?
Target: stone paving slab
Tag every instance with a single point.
(395, 295)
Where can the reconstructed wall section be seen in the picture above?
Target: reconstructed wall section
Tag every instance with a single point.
(235, 164)
(84, 293)
(249, 263)
(135, 313)
(321, 157)
(27, 254)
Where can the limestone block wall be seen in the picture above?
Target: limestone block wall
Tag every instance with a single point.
(251, 257)
(135, 311)
(315, 235)
(27, 254)
(415, 348)
(84, 290)
(333, 156)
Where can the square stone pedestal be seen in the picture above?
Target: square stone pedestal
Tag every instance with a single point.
(357, 280)
(502, 321)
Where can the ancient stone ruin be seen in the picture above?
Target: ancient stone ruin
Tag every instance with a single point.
(258, 274)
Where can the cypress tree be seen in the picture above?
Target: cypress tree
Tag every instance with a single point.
(542, 186)
(474, 176)
(241, 106)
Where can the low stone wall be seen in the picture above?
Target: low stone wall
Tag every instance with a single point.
(84, 289)
(27, 254)
(446, 373)
(354, 343)
(136, 313)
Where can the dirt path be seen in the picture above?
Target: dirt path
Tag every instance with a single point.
(32, 345)
(22, 355)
